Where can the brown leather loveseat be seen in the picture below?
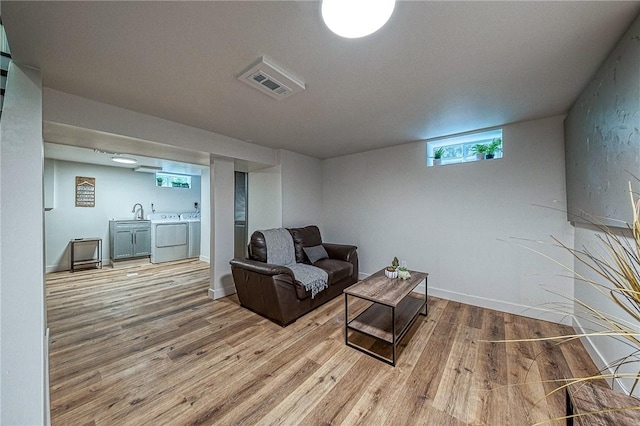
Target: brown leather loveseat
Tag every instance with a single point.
(272, 290)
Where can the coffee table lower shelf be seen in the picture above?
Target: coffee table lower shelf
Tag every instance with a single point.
(385, 323)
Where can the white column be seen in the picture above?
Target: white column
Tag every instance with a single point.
(205, 215)
(23, 351)
(222, 225)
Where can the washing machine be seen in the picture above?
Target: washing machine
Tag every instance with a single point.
(169, 237)
(193, 219)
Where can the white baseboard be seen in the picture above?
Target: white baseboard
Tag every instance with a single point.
(498, 305)
(54, 268)
(597, 357)
(59, 268)
(205, 258)
(221, 292)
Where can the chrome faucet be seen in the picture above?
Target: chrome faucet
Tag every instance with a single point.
(139, 213)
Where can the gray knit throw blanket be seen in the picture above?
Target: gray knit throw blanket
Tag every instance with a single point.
(280, 251)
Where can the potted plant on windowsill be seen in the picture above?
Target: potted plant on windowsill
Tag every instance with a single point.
(437, 156)
(479, 150)
(492, 148)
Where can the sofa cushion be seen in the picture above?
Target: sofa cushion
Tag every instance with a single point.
(336, 269)
(258, 247)
(308, 236)
(301, 292)
(315, 253)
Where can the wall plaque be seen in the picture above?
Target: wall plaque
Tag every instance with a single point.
(85, 191)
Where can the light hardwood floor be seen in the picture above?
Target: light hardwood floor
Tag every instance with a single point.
(145, 345)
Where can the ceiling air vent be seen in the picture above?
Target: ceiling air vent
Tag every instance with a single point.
(271, 79)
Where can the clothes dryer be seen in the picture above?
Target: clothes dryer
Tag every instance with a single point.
(169, 237)
(193, 220)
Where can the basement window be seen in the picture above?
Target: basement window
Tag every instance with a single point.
(171, 180)
(464, 148)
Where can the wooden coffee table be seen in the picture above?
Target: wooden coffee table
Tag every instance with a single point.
(393, 310)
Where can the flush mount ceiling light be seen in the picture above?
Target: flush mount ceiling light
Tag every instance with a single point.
(124, 160)
(356, 18)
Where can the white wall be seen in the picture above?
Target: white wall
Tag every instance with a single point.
(602, 146)
(23, 349)
(460, 223)
(301, 189)
(265, 199)
(117, 190)
(603, 350)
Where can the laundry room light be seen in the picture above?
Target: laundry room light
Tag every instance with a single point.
(124, 160)
(356, 18)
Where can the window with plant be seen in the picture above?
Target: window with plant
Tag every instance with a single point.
(171, 180)
(465, 148)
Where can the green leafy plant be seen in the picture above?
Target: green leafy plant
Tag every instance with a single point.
(478, 149)
(403, 273)
(493, 147)
(438, 153)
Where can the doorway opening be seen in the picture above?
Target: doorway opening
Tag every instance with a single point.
(240, 236)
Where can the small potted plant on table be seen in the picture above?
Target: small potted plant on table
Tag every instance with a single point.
(392, 271)
(403, 273)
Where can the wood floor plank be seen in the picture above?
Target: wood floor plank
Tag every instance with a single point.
(146, 345)
(336, 405)
(257, 406)
(552, 364)
(305, 398)
(490, 376)
(457, 392)
(413, 403)
(383, 401)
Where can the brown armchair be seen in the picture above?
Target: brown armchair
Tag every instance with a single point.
(272, 290)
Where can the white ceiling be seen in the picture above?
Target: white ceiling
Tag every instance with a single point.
(436, 68)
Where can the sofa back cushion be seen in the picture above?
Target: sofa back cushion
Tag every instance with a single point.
(258, 247)
(308, 236)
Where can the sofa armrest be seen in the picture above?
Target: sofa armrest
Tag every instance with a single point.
(344, 252)
(266, 289)
(261, 267)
